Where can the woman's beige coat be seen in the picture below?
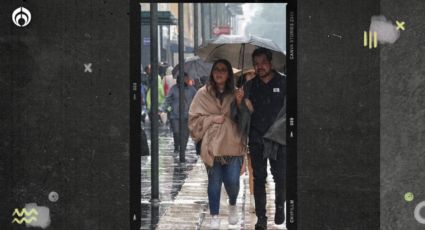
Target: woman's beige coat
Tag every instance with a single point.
(217, 139)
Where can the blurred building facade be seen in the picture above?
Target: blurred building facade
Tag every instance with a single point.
(214, 19)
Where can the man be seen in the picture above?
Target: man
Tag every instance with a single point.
(171, 104)
(266, 92)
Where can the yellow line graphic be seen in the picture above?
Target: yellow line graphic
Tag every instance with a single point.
(24, 211)
(365, 39)
(370, 39)
(27, 221)
(375, 39)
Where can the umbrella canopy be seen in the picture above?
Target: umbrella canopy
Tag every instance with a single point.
(235, 71)
(238, 49)
(240, 72)
(195, 67)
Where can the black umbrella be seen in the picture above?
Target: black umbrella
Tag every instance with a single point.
(237, 49)
(195, 67)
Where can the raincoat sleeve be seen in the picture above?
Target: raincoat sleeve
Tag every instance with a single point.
(148, 99)
(247, 88)
(275, 138)
(168, 100)
(161, 94)
(199, 118)
(142, 93)
(242, 116)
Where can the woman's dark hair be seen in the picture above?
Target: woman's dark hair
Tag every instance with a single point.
(229, 86)
(178, 78)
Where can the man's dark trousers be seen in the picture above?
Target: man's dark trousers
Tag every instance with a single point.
(175, 127)
(277, 168)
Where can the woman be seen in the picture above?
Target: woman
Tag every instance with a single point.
(222, 148)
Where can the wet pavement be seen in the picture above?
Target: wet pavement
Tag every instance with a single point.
(172, 175)
(183, 192)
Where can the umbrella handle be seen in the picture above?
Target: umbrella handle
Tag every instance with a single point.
(240, 81)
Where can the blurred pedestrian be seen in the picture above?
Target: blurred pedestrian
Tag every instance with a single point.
(161, 96)
(222, 148)
(162, 68)
(197, 83)
(143, 93)
(144, 87)
(203, 80)
(169, 80)
(172, 105)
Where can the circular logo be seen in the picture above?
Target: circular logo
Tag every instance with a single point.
(408, 196)
(417, 212)
(21, 17)
(53, 196)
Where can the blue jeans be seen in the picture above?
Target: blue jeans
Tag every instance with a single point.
(229, 175)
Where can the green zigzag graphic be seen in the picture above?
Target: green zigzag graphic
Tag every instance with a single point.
(27, 221)
(24, 211)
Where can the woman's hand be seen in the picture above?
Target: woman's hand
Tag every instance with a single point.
(219, 119)
(248, 104)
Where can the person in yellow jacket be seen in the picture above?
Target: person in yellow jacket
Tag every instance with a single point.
(161, 95)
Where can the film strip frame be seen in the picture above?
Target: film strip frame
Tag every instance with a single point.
(291, 115)
(135, 108)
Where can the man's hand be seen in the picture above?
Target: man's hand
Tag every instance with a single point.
(239, 94)
(243, 166)
(219, 119)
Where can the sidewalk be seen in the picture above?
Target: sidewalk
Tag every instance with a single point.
(183, 192)
(172, 176)
(190, 210)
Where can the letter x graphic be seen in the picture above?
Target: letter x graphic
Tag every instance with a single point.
(87, 68)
